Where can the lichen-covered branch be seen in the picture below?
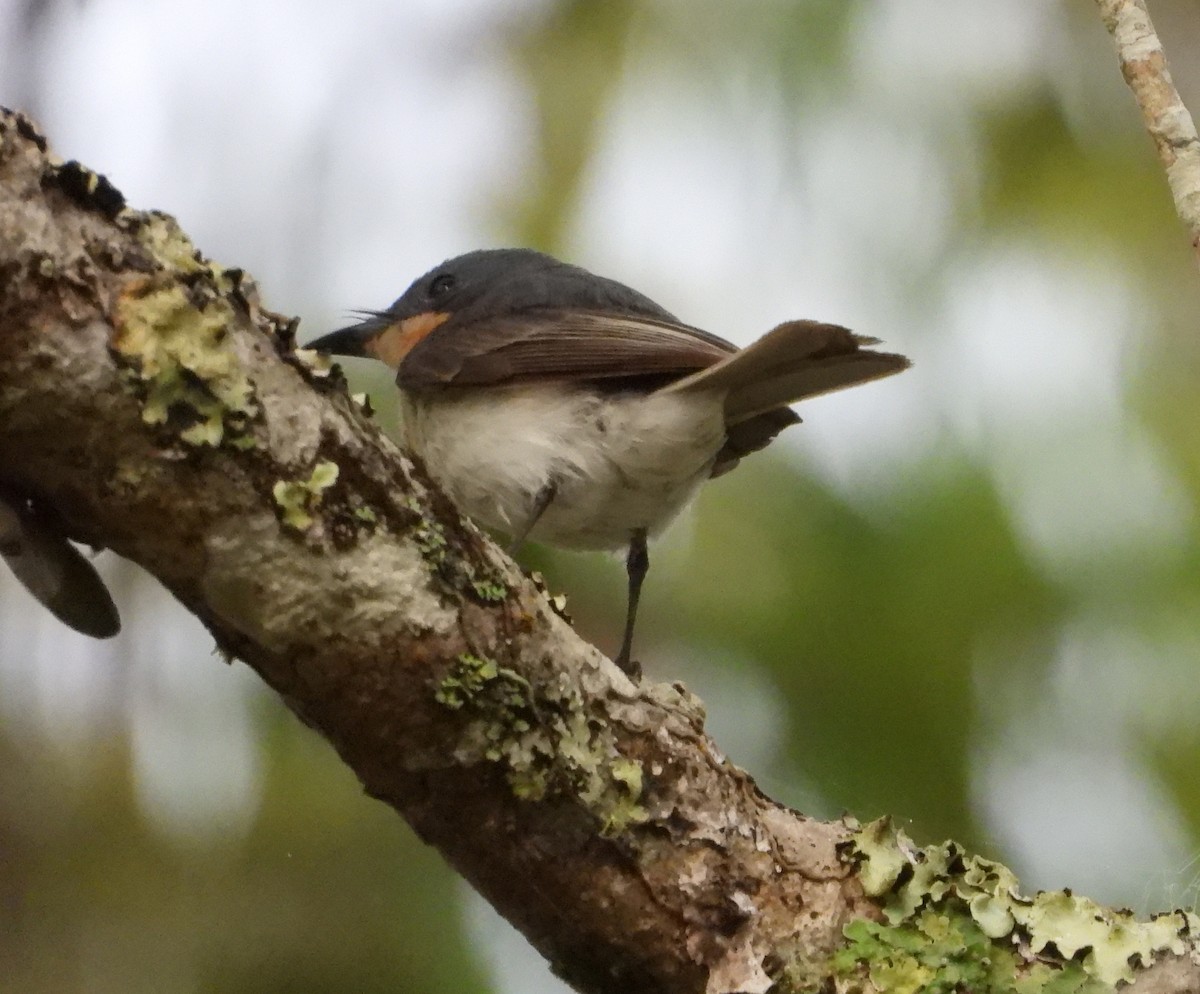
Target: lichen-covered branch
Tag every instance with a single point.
(1144, 65)
(154, 406)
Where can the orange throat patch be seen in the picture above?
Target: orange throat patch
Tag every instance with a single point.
(392, 344)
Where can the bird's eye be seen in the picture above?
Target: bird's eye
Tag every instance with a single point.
(441, 285)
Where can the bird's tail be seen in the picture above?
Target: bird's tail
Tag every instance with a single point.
(795, 360)
(53, 570)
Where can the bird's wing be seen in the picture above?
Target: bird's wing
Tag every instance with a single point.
(557, 344)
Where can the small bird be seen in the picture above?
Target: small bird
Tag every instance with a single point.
(558, 406)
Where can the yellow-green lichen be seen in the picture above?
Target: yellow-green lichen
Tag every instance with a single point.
(161, 235)
(180, 365)
(946, 953)
(298, 499)
(547, 746)
(472, 675)
(1053, 930)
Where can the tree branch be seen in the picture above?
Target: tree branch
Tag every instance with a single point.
(157, 408)
(1144, 66)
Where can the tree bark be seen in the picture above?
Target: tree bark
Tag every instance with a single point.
(1168, 122)
(150, 401)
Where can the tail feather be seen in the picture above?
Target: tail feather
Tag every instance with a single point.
(51, 569)
(750, 435)
(796, 360)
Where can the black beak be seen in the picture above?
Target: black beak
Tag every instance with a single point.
(352, 340)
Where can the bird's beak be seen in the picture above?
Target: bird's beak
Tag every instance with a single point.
(381, 336)
(355, 340)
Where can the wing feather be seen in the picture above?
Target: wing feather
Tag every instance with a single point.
(557, 344)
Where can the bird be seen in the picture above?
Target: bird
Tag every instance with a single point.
(557, 406)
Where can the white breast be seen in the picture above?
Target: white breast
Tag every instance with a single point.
(620, 461)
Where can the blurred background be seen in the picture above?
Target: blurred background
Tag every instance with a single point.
(967, 596)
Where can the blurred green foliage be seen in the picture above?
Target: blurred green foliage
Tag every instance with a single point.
(874, 622)
(328, 891)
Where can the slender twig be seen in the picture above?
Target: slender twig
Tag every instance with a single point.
(1144, 65)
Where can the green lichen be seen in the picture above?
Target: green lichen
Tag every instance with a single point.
(946, 952)
(431, 540)
(366, 515)
(178, 362)
(299, 499)
(161, 235)
(472, 675)
(457, 572)
(547, 746)
(489, 587)
(1051, 942)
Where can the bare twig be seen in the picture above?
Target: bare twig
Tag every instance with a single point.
(1144, 65)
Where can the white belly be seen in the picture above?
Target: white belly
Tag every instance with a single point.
(619, 462)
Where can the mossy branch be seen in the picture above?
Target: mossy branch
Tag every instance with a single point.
(157, 408)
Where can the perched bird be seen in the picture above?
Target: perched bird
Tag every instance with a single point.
(555, 405)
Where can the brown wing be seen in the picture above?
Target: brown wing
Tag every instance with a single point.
(557, 344)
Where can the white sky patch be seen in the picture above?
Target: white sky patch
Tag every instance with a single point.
(916, 51)
(1031, 338)
(1089, 817)
(410, 187)
(664, 208)
(1090, 491)
(1060, 783)
(197, 765)
(877, 208)
(54, 681)
(356, 150)
(1031, 371)
(689, 207)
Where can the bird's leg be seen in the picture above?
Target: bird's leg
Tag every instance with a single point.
(637, 562)
(541, 501)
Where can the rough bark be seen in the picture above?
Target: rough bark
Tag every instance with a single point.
(158, 409)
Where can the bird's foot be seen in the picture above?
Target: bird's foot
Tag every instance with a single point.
(630, 667)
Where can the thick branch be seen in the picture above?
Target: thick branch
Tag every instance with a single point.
(1144, 66)
(159, 410)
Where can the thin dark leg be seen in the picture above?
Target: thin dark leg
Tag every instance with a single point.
(636, 565)
(541, 501)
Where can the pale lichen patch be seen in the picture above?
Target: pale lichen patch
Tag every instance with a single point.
(298, 500)
(167, 244)
(547, 742)
(179, 363)
(944, 953)
(1087, 947)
